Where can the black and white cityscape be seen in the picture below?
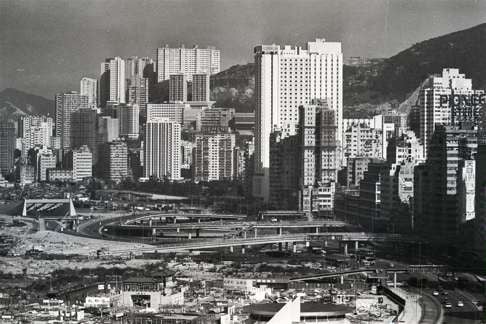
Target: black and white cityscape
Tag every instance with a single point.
(227, 162)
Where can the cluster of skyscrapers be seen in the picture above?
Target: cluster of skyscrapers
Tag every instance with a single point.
(417, 171)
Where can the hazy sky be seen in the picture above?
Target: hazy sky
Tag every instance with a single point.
(46, 46)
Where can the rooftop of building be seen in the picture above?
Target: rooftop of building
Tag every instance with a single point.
(306, 309)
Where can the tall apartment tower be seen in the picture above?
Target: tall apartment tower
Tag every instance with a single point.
(178, 87)
(112, 81)
(432, 111)
(128, 116)
(213, 157)
(46, 160)
(108, 129)
(188, 61)
(66, 104)
(138, 93)
(82, 163)
(200, 87)
(35, 130)
(7, 146)
(89, 87)
(113, 161)
(162, 149)
(286, 78)
(83, 128)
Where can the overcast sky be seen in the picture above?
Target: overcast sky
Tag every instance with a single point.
(46, 46)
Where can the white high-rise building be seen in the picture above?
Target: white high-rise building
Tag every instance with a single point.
(162, 149)
(285, 78)
(188, 61)
(34, 130)
(128, 116)
(82, 163)
(89, 87)
(47, 160)
(432, 111)
(112, 81)
(173, 110)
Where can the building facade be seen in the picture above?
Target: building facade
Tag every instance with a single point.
(89, 87)
(162, 149)
(285, 79)
(213, 157)
(186, 60)
(82, 163)
(66, 104)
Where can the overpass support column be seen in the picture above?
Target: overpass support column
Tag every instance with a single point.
(342, 279)
(178, 230)
(317, 230)
(325, 243)
(280, 231)
(150, 222)
(175, 219)
(42, 224)
(189, 236)
(154, 232)
(256, 232)
(243, 249)
(346, 249)
(199, 220)
(307, 244)
(356, 246)
(394, 280)
(244, 235)
(294, 247)
(231, 249)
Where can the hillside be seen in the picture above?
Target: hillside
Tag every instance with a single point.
(384, 83)
(14, 103)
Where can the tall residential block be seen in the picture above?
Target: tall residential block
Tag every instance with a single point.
(83, 128)
(173, 111)
(138, 93)
(35, 130)
(178, 87)
(112, 81)
(46, 161)
(286, 78)
(7, 146)
(82, 163)
(200, 87)
(113, 161)
(162, 149)
(433, 110)
(128, 116)
(66, 104)
(89, 87)
(186, 60)
(213, 157)
(108, 129)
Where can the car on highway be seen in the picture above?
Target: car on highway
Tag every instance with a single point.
(448, 305)
(460, 303)
(435, 293)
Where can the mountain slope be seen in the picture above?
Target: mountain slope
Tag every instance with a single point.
(382, 84)
(14, 102)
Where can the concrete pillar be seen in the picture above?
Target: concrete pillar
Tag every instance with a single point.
(317, 230)
(154, 232)
(325, 243)
(280, 246)
(190, 236)
(356, 246)
(150, 222)
(307, 244)
(244, 235)
(42, 224)
(199, 220)
(178, 230)
(256, 232)
(175, 219)
(394, 280)
(280, 231)
(242, 250)
(294, 247)
(342, 279)
(346, 249)
(231, 249)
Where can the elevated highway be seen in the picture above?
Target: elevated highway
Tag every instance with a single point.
(263, 240)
